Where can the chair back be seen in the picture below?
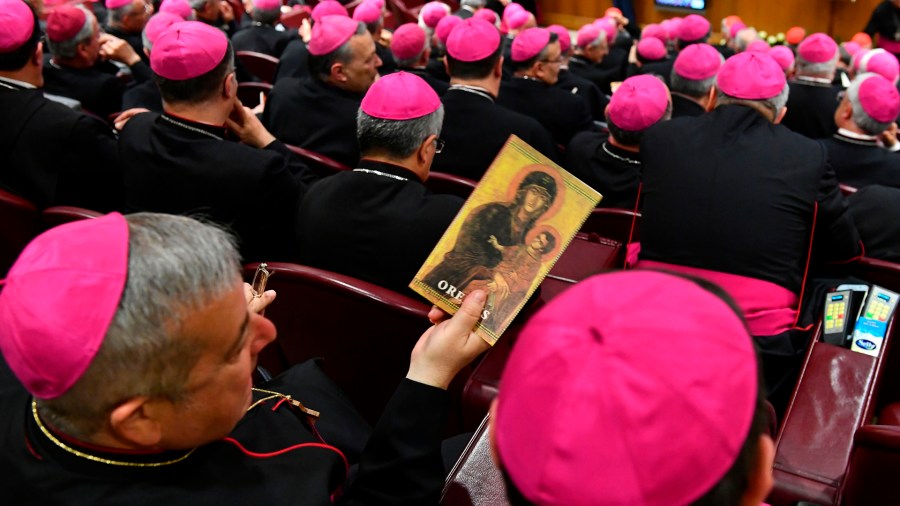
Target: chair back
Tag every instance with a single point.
(874, 466)
(19, 223)
(294, 19)
(321, 164)
(614, 223)
(450, 184)
(249, 93)
(260, 65)
(475, 480)
(58, 215)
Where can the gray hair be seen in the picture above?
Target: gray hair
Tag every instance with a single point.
(266, 16)
(115, 16)
(771, 105)
(691, 87)
(409, 62)
(69, 48)
(862, 119)
(176, 265)
(473, 3)
(743, 38)
(198, 5)
(397, 139)
(824, 69)
(320, 65)
(601, 39)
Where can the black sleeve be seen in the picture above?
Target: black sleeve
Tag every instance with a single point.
(97, 185)
(401, 464)
(836, 237)
(873, 24)
(141, 72)
(293, 162)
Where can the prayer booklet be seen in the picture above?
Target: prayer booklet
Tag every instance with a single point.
(507, 236)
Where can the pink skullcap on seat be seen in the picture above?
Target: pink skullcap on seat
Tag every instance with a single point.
(693, 27)
(609, 27)
(639, 102)
(795, 35)
(432, 12)
(879, 97)
(368, 12)
(159, 23)
(408, 41)
(65, 22)
(751, 76)
(651, 48)
(330, 33)
(328, 8)
(654, 30)
(487, 15)
(851, 47)
(188, 50)
(698, 62)
(17, 21)
(115, 4)
(735, 28)
(400, 96)
(817, 48)
(60, 297)
(586, 35)
(518, 19)
(565, 39)
(445, 26)
(529, 43)
(178, 7)
(267, 5)
(474, 39)
(880, 62)
(760, 46)
(629, 378)
(784, 56)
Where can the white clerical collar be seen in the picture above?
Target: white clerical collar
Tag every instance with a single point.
(816, 80)
(854, 135)
(21, 84)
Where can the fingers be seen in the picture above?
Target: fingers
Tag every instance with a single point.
(437, 315)
(258, 304)
(123, 118)
(469, 313)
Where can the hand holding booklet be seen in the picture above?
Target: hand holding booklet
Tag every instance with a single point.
(507, 236)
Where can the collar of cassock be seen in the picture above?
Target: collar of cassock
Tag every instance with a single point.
(204, 129)
(386, 170)
(855, 138)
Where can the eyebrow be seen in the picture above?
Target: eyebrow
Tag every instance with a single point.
(239, 342)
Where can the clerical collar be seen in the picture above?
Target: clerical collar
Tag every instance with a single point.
(622, 156)
(211, 131)
(528, 78)
(813, 81)
(15, 84)
(477, 90)
(855, 138)
(386, 170)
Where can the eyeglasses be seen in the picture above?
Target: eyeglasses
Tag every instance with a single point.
(558, 59)
(438, 145)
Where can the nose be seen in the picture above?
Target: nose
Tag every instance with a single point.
(378, 61)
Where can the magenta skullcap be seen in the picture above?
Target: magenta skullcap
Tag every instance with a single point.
(188, 50)
(851, 47)
(880, 62)
(368, 12)
(379, 3)
(432, 12)
(784, 56)
(328, 8)
(693, 27)
(267, 5)
(159, 23)
(178, 7)
(759, 45)
(854, 62)
(509, 9)
(330, 33)
(17, 21)
(587, 34)
(565, 39)
(65, 22)
(629, 378)
(60, 297)
(751, 76)
(879, 97)
(400, 96)
(638, 103)
(651, 48)
(445, 26)
(115, 4)
(487, 15)
(474, 39)
(408, 41)
(654, 30)
(518, 19)
(609, 27)
(698, 62)
(735, 28)
(817, 48)
(529, 43)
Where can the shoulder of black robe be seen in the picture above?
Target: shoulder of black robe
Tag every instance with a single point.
(875, 209)
(810, 109)
(588, 91)
(293, 61)
(684, 106)
(561, 113)
(860, 163)
(439, 87)
(613, 172)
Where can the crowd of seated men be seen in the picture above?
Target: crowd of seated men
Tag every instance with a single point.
(129, 340)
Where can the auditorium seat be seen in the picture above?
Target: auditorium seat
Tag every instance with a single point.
(249, 93)
(364, 332)
(260, 65)
(294, 19)
(58, 215)
(874, 466)
(323, 165)
(19, 223)
(614, 223)
(451, 184)
(475, 480)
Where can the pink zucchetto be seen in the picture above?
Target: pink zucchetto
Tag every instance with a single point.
(518, 19)
(609, 27)
(65, 22)
(735, 28)
(432, 12)
(751, 76)
(17, 21)
(408, 41)
(693, 27)
(400, 96)
(639, 102)
(445, 26)
(328, 8)
(698, 62)
(60, 297)
(851, 47)
(188, 50)
(586, 35)
(368, 12)
(529, 43)
(116, 4)
(267, 5)
(178, 7)
(635, 376)
(330, 33)
(795, 35)
(817, 48)
(784, 56)
(880, 62)
(879, 97)
(487, 15)
(473, 40)
(654, 30)
(759, 46)
(159, 23)
(651, 49)
(509, 9)
(565, 39)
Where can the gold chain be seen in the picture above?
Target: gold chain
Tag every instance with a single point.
(273, 395)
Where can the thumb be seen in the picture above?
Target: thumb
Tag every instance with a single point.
(469, 313)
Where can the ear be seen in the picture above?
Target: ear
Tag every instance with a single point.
(760, 481)
(426, 150)
(135, 423)
(38, 57)
(498, 68)
(780, 115)
(229, 87)
(337, 72)
(711, 99)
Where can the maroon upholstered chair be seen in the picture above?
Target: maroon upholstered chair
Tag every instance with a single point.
(248, 93)
(19, 223)
(614, 224)
(260, 65)
(451, 184)
(364, 332)
(58, 215)
(294, 19)
(475, 479)
(320, 163)
(874, 466)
